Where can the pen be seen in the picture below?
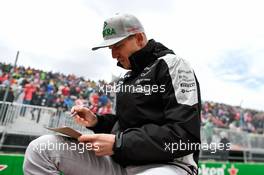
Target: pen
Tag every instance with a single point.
(75, 113)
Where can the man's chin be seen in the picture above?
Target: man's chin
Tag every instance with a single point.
(126, 67)
(123, 66)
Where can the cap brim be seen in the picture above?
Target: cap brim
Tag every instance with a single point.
(109, 42)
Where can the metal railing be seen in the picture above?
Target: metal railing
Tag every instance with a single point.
(248, 144)
(31, 120)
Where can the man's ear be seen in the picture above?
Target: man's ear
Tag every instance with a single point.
(140, 39)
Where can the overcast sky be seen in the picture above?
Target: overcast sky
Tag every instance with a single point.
(223, 40)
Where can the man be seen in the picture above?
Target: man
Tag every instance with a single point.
(157, 113)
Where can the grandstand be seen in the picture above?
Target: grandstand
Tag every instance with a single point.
(37, 99)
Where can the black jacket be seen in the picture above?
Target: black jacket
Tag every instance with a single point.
(158, 104)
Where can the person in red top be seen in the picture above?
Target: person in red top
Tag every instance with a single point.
(65, 91)
(94, 99)
(3, 77)
(29, 89)
(28, 93)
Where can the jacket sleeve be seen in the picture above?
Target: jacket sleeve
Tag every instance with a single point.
(154, 143)
(105, 123)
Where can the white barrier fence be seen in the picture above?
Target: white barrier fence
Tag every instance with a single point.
(31, 120)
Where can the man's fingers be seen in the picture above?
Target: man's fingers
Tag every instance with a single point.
(77, 108)
(87, 138)
(81, 121)
(80, 110)
(100, 154)
(77, 119)
(98, 150)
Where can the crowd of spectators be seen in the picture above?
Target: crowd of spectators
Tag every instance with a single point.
(37, 87)
(232, 117)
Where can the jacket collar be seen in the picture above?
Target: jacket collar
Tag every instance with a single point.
(142, 58)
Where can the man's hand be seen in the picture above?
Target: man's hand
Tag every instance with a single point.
(84, 116)
(102, 143)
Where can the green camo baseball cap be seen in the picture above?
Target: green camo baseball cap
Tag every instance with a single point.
(118, 28)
